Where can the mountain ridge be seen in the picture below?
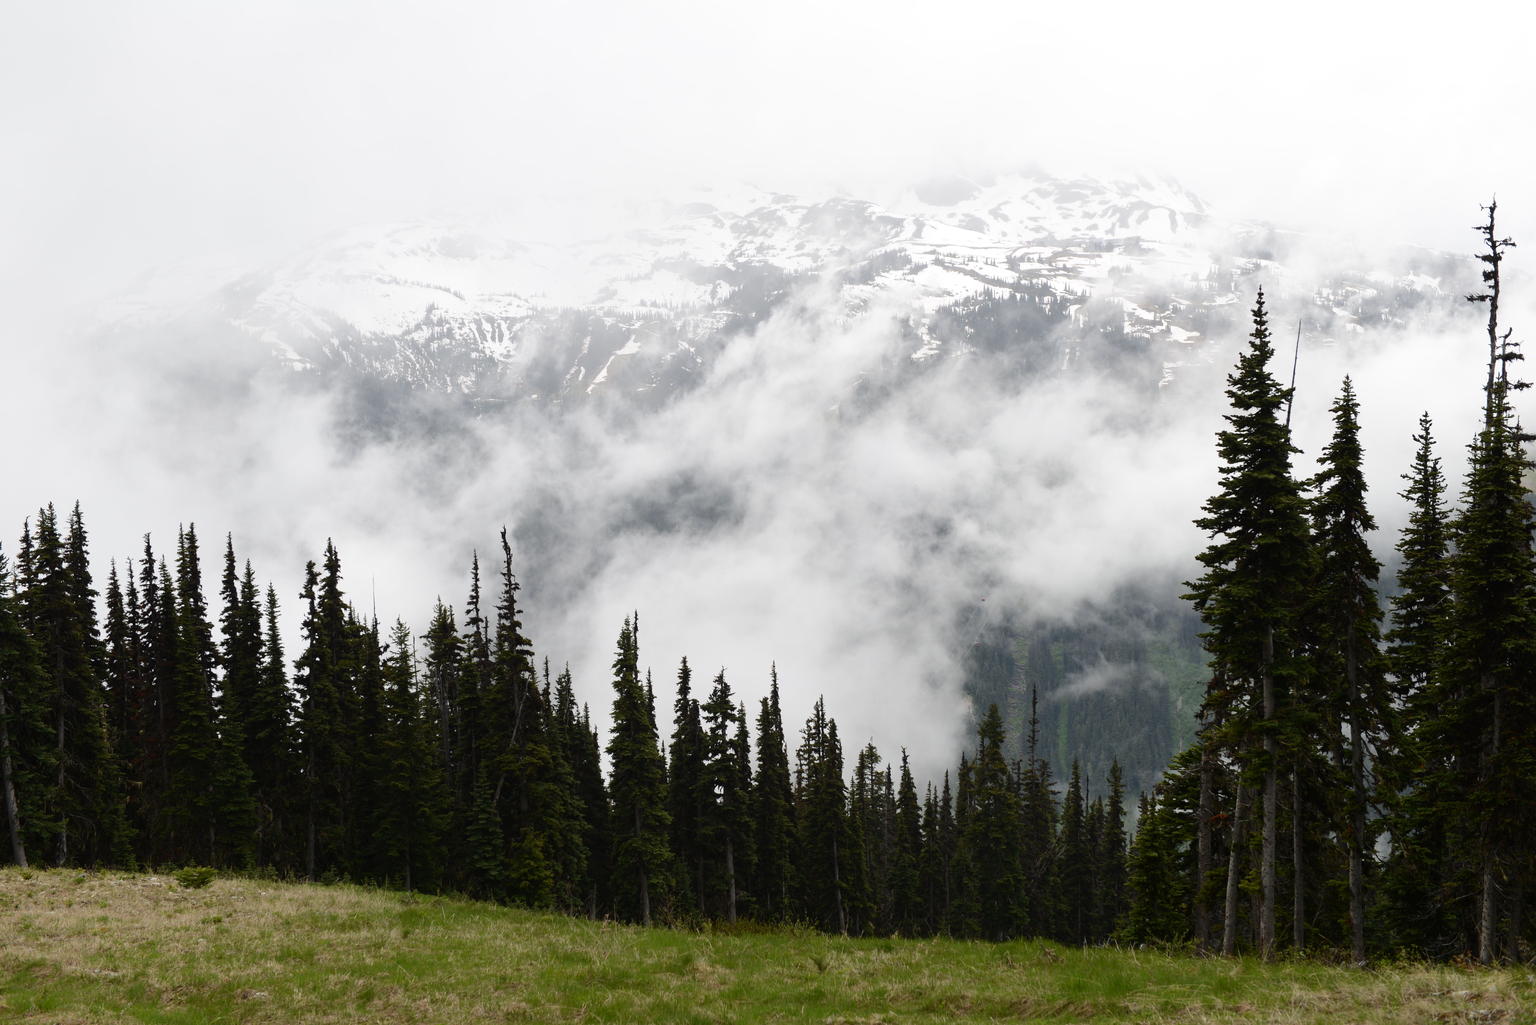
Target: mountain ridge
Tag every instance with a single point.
(456, 307)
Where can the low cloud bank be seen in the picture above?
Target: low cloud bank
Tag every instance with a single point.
(817, 501)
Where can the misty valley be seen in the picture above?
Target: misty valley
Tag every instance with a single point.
(936, 612)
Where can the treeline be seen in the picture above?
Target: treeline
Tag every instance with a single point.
(1364, 791)
(154, 735)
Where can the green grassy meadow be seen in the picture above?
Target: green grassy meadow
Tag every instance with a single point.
(111, 947)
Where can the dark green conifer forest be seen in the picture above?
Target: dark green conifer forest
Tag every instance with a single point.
(1361, 783)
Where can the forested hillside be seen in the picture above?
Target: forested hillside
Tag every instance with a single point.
(1358, 783)
(162, 735)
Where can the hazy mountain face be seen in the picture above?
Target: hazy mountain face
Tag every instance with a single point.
(950, 445)
(1135, 277)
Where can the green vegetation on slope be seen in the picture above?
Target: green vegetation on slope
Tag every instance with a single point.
(110, 947)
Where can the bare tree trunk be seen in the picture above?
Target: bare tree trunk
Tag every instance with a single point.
(837, 888)
(1298, 864)
(1517, 922)
(645, 882)
(1234, 861)
(1271, 805)
(1356, 811)
(62, 852)
(1488, 912)
(309, 817)
(8, 790)
(730, 874)
(946, 896)
(1203, 850)
(1488, 904)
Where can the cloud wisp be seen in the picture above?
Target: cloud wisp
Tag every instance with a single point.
(817, 501)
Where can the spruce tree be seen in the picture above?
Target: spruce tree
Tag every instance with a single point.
(83, 802)
(485, 844)
(1423, 578)
(121, 667)
(990, 836)
(324, 684)
(637, 789)
(1037, 833)
(412, 801)
(582, 754)
(686, 790)
(239, 650)
(725, 831)
(907, 910)
(774, 810)
(155, 710)
(367, 798)
(211, 785)
(745, 858)
(1416, 881)
(868, 827)
(940, 838)
(827, 869)
(26, 756)
(474, 681)
(1112, 871)
(534, 785)
(1077, 863)
(1157, 898)
(1256, 570)
(587, 761)
(1488, 728)
(1349, 634)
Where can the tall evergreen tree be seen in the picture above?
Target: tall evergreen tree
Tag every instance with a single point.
(25, 752)
(582, 754)
(829, 870)
(1488, 727)
(412, 800)
(153, 711)
(725, 824)
(535, 789)
(871, 810)
(1077, 863)
(474, 681)
(1416, 883)
(1156, 909)
(907, 910)
(774, 809)
(990, 837)
(686, 790)
(1256, 570)
(323, 682)
(1349, 626)
(210, 782)
(121, 667)
(1110, 890)
(1038, 816)
(57, 602)
(641, 861)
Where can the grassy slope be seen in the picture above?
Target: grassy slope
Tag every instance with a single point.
(77, 948)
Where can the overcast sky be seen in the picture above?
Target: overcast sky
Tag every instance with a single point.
(167, 132)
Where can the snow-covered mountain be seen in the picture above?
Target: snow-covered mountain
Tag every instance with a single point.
(1041, 267)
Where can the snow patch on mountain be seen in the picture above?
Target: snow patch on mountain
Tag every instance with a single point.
(460, 306)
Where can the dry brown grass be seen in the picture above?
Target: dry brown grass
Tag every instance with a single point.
(111, 948)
